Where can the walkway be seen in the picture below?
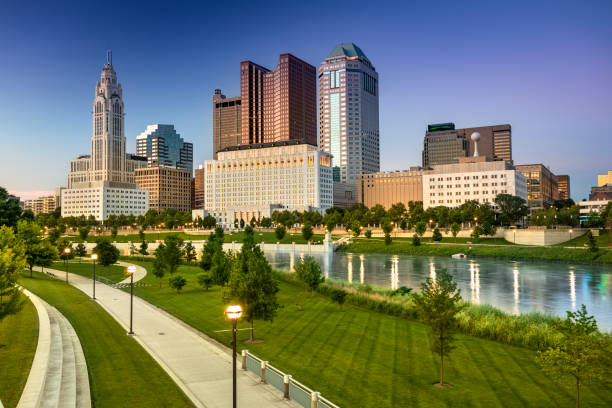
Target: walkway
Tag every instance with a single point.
(199, 365)
(58, 377)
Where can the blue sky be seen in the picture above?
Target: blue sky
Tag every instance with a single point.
(543, 67)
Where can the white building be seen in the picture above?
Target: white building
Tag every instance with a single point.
(472, 179)
(596, 206)
(252, 181)
(348, 118)
(107, 175)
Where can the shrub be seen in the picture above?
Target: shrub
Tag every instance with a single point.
(338, 296)
(280, 232)
(437, 236)
(416, 241)
(205, 280)
(177, 282)
(368, 234)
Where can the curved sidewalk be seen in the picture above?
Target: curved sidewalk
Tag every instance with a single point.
(199, 365)
(58, 376)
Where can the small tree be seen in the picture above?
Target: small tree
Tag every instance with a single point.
(591, 242)
(29, 235)
(387, 227)
(309, 272)
(338, 296)
(172, 253)
(177, 282)
(12, 262)
(477, 232)
(190, 253)
(356, 228)
(83, 233)
(108, 254)
(133, 250)
(368, 234)
(438, 305)
(307, 231)
(114, 232)
(80, 250)
(143, 250)
(280, 232)
(44, 255)
(455, 228)
(581, 355)
(159, 267)
(436, 236)
(416, 241)
(205, 280)
(420, 228)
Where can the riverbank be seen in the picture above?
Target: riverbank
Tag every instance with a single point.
(511, 252)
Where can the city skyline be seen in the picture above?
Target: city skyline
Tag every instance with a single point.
(547, 79)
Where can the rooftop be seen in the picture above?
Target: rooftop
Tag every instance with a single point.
(348, 50)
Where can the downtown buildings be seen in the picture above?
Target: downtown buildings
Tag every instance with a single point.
(102, 184)
(44, 204)
(163, 146)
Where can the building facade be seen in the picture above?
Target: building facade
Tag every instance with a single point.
(45, 204)
(252, 181)
(106, 175)
(163, 146)
(599, 193)
(198, 189)
(168, 187)
(227, 121)
(603, 179)
(563, 185)
(348, 117)
(443, 144)
(388, 188)
(542, 187)
(472, 179)
(252, 101)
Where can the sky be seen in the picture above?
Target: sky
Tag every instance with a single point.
(545, 67)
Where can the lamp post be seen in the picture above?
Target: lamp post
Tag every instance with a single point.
(93, 258)
(66, 254)
(131, 270)
(570, 231)
(233, 313)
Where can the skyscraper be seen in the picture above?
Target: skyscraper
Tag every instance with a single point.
(252, 99)
(162, 145)
(348, 118)
(563, 184)
(227, 121)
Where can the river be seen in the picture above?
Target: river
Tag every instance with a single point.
(515, 287)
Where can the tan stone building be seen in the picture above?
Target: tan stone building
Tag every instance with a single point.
(45, 204)
(563, 184)
(168, 187)
(388, 188)
(227, 121)
(198, 188)
(542, 187)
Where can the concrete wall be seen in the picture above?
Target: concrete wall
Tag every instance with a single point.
(542, 237)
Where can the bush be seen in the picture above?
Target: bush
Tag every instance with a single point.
(280, 232)
(416, 241)
(338, 296)
(205, 280)
(177, 282)
(368, 234)
(437, 236)
(387, 238)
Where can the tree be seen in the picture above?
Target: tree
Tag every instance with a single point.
(83, 233)
(265, 222)
(436, 236)
(177, 282)
(214, 259)
(338, 296)
(307, 231)
(356, 228)
(10, 211)
(477, 232)
(420, 228)
(30, 236)
(253, 283)
(159, 266)
(280, 232)
(143, 249)
(368, 234)
(331, 220)
(114, 232)
(80, 250)
(108, 254)
(438, 305)
(387, 227)
(205, 280)
(172, 253)
(580, 355)
(309, 272)
(44, 254)
(455, 228)
(416, 241)
(190, 253)
(591, 242)
(54, 235)
(12, 261)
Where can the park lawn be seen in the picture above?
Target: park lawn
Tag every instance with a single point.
(514, 252)
(603, 240)
(18, 341)
(449, 239)
(270, 237)
(121, 372)
(114, 273)
(151, 236)
(361, 358)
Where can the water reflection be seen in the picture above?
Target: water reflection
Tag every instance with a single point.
(516, 287)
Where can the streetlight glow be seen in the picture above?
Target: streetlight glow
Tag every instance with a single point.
(67, 250)
(94, 257)
(233, 312)
(131, 270)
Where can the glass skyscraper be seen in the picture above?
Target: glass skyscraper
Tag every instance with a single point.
(162, 145)
(348, 117)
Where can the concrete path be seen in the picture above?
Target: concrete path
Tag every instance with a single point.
(201, 367)
(58, 376)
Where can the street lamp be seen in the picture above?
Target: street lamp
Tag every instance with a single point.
(66, 254)
(233, 313)
(570, 231)
(131, 270)
(93, 258)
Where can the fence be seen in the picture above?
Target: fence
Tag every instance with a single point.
(291, 389)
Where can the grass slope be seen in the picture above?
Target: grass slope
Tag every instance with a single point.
(114, 273)
(603, 240)
(18, 340)
(121, 372)
(360, 358)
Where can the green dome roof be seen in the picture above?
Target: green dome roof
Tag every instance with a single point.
(348, 50)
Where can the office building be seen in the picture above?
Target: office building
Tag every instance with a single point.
(603, 179)
(168, 187)
(472, 179)
(252, 181)
(443, 144)
(563, 185)
(348, 118)
(388, 188)
(227, 121)
(102, 183)
(163, 146)
(603, 189)
(44, 204)
(542, 189)
(591, 206)
(252, 101)
(198, 190)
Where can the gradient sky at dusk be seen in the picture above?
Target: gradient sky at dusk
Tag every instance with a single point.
(543, 67)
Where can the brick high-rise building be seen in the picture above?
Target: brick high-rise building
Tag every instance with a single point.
(563, 184)
(227, 121)
(542, 189)
(168, 187)
(252, 99)
(198, 188)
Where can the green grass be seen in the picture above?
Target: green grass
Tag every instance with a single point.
(361, 358)
(364, 245)
(115, 273)
(449, 239)
(603, 240)
(270, 237)
(18, 340)
(121, 372)
(150, 236)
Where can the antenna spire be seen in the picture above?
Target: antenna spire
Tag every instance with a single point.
(109, 57)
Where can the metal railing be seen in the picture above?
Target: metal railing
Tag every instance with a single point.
(292, 389)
